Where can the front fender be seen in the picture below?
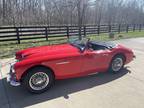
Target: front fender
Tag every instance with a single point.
(23, 66)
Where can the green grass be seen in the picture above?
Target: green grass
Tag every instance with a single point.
(8, 49)
(123, 35)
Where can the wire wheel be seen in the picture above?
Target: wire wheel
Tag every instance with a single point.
(117, 64)
(39, 81)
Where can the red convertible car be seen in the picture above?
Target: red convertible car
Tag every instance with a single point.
(37, 68)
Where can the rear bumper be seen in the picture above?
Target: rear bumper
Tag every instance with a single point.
(11, 78)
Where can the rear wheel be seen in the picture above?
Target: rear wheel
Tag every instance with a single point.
(38, 80)
(117, 64)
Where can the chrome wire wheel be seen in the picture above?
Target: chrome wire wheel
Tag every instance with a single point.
(117, 64)
(39, 81)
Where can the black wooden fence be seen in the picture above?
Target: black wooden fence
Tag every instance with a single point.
(46, 32)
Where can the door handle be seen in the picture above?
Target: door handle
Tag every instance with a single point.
(105, 54)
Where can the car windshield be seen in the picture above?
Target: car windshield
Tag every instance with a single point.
(80, 44)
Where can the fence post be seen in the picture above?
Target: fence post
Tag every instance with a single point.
(98, 31)
(139, 27)
(17, 34)
(119, 28)
(80, 37)
(127, 28)
(133, 27)
(84, 31)
(46, 33)
(67, 29)
(109, 28)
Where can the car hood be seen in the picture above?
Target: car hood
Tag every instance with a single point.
(46, 51)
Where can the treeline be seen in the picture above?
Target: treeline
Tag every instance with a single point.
(70, 12)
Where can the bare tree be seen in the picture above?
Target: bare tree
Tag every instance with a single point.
(70, 12)
(81, 11)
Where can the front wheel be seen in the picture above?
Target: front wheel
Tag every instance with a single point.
(117, 64)
(38, 80)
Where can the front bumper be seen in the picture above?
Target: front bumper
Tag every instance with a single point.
(11, 78)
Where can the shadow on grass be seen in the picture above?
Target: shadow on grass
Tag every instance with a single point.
(49, 42)
(19, 97)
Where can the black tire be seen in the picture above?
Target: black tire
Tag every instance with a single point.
(26, 82)
(111, 69)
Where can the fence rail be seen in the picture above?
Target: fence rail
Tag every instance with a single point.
(45, 32)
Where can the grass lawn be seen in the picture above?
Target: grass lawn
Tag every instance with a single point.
(123, 35)
(8, 49)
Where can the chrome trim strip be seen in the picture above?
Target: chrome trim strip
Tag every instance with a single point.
(93, 73)
(62, 63)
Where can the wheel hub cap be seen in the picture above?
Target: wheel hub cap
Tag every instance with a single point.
(39, 81)
(117, 64)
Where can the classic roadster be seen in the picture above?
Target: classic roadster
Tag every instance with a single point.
(37, 68)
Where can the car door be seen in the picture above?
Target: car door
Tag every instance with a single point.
(69, 66)
(96, 61)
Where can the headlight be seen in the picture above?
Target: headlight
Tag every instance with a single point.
(19, 57)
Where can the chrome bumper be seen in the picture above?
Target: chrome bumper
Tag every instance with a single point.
(11, 77)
